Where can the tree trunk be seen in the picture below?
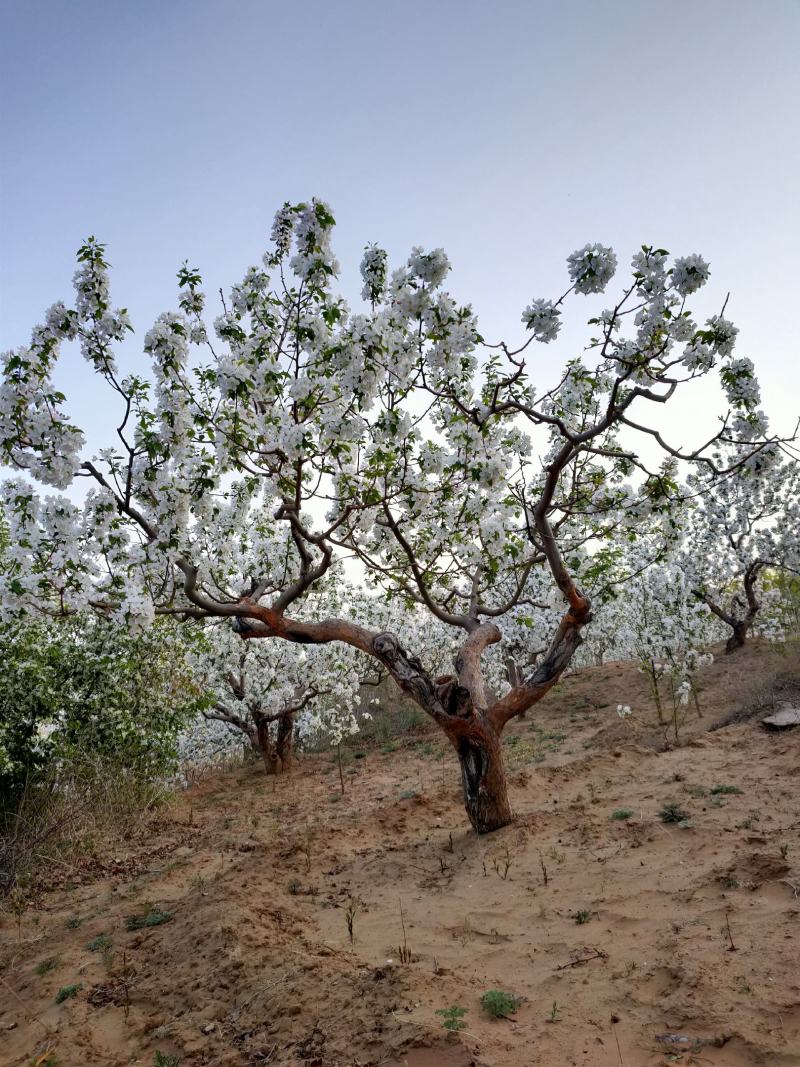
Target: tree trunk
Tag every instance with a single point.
(284, 742)
(738, 637)
(483, 776)
(264, 744)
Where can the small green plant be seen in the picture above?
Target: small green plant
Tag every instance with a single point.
(555, 1013)
(73, 922)
(724, 790)
(672, 812)
(161, 1059)
(499, 1004)
(453, 1017)
(46, 966)
(748, 823)
(154, 916)
(621, 814)
(68, 991)
(408, 794)
(582, 916)
(784, 851)
(97, 944)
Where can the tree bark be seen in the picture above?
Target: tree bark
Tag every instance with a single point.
(738, 637)
(483, 777)
(284, 741)
(264, 745)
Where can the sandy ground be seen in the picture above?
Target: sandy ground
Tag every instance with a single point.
(629, 941)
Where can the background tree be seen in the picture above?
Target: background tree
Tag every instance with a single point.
(743, 528)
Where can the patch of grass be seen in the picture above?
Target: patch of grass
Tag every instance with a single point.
(161, 1059)
(499, 1004)
(97, 944)
(73, 922)
(582, 916)
(453, 1017)
(154, 916)
(719, 790)
(66, 992)
(672, 812)
(408, 794)
(46, 966)
(388, 748)
(621, 814)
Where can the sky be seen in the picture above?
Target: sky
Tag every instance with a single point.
(510, 133)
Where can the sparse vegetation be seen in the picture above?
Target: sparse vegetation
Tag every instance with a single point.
(622, 814)
(498, 1004)
(672, 812)
(66, 992)
(453, 1017)
(151, 916)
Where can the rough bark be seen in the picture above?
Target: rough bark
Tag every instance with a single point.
(483, 777)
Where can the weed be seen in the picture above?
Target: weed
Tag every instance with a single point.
(161, 1059)
(408, 794)
(555, 1013)
(621, 814)
(200, 885)
(154, 916)
(784, 851)
(582, 916)
(102, 941)
(47, 1059)
(748, 823)
(453, 1017)
(499, 1004)
(502, 863)
(671, 811)
(294, 887)
(67, 991)
(717, 790)
(73, 922)
(46, 966)
(729, 881)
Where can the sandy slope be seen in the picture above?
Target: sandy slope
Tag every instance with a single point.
(687, 931)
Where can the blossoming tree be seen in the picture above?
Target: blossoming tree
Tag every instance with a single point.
(743, 527)
(298, 433)
(263, 691)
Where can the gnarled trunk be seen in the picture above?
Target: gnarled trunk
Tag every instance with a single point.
(483, 777)
(738, 637)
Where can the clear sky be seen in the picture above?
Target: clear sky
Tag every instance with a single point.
(509, 132)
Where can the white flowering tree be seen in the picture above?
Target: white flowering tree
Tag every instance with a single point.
(744, 527)
(263, 693)
(297, 433)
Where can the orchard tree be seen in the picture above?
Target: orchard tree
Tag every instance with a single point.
(744, 527)
(297, 432)
(263, 692)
